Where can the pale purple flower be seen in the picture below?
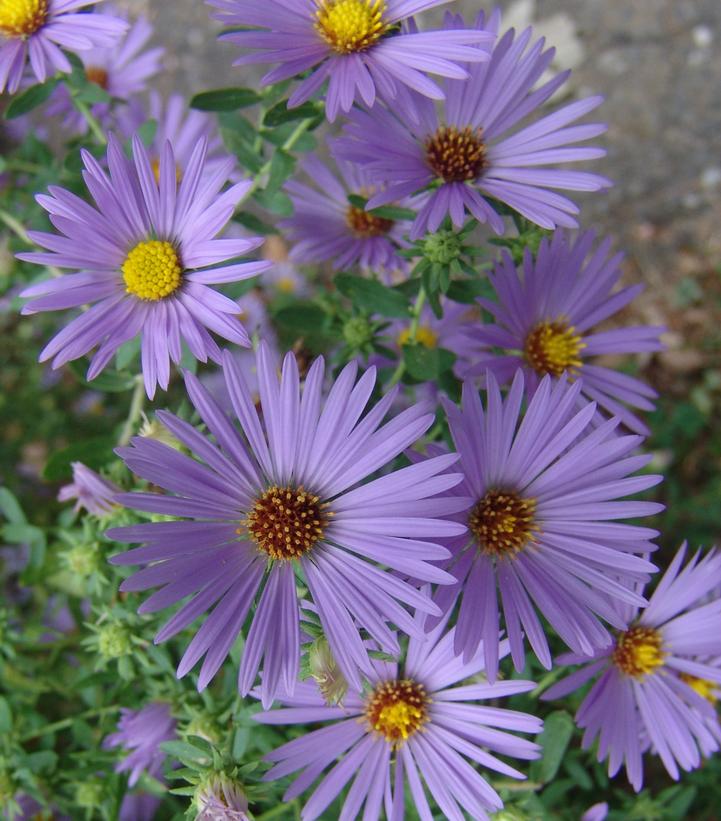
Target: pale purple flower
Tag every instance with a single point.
(122, 71)
(91, 491)
(36, 31)
(222, 800)
(597, 812)
(546, 312)
(326, 227)
(140, 733)
(545, 493)
(475, 148)
(146, 255)
(652, 680)
(284, 279)
(413, 729)
(285, 497)
(359, 46)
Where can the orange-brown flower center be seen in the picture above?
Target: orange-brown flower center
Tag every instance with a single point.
(397, 709)
(286, 522)
(456, 155)
(364, 224)
(97, 75)
(502, 523)
(638, 651)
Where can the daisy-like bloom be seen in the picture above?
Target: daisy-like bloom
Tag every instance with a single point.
(544, 492)
(36, 31)
(359, 46)
(658, 681)
(326, 227)
(92, 492)
(122, 71)
(146, 254)
(474, 148)
(412, 726)
(284, 498)
(545, 314)
(140, 734)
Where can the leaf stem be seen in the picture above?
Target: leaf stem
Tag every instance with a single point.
(90, 119)
(412, 336)
(297, 133)
(137, 403)
(66, 722)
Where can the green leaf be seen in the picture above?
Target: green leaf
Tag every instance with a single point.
(92, 93)
(147, 132)
(92, 452)
(225, 99)
(281, 167)
(301, 319)
(6, 716)
(23, 534)
(10, 507)
(30, 99)
(393, 212)
(557, 732)
(186, 753)
(425, 364)
(277, 202)
(466, 290)
(372, 296)
(108, 381)
(280, 113)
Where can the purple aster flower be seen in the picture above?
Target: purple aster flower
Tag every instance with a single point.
(359, 46)
(138, 806)
(597, 812)
(222, 800)
(285, 279)
(92, 492)
(122, 71)
(657, 683)
(140, 734)
(146, 255)
(286, 498)
(38, 30)
(412, 727)
(473, 150)
(544, 492)
(327, 227)
(545, 317)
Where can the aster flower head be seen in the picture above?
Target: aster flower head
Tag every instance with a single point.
(281, 498)
(145, 255)
(36, 31)
(545, 315)
(122, 71)
(221, 799)
(411, 727)
(91, 491)
(140, 733)
(657, 683)
(477, 147)
(360, 46)
(545, 491)
(326, 226)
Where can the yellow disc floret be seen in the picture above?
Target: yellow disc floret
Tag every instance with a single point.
(152, 270)
(350, 26)
(397, 709)
(553, 347)
(503, 523)
(705, 688)
(21, 18)
(638, 651)
(424, 336)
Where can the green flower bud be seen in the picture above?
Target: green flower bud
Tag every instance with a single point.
(325, 671)
(113, 641)
(357, 332)
(442, 247)
(89, 795)
(83, 559)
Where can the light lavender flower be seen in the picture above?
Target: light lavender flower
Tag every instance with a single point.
(221, 799)
(657, 681)
(359, 46)
(545, 492)
(545, 316)
(413, 730)
(285, 498)
(140, 733)
(474, 150)
(326, 227)
(122, 71)
(92, 492)
(36, 31)
(146, 254)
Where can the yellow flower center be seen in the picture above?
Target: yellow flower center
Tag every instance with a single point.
(286, 522)
(349, 26)
(706, 689)
(397, 709)
(21, 18)
(638, 651)
(456, 155)
(364, 224)
(155, 165)
(152, 270)
(502, 523)
(553, 347)
(286, 285)
(424, 336)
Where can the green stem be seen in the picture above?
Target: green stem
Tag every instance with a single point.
(93, 124)
(21, 165)
(136, 408)
(412, 335)
(298, 132)
(277, 811)
(16, 227)
(66, 722)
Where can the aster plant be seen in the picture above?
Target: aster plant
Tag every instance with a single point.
(657, 683)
